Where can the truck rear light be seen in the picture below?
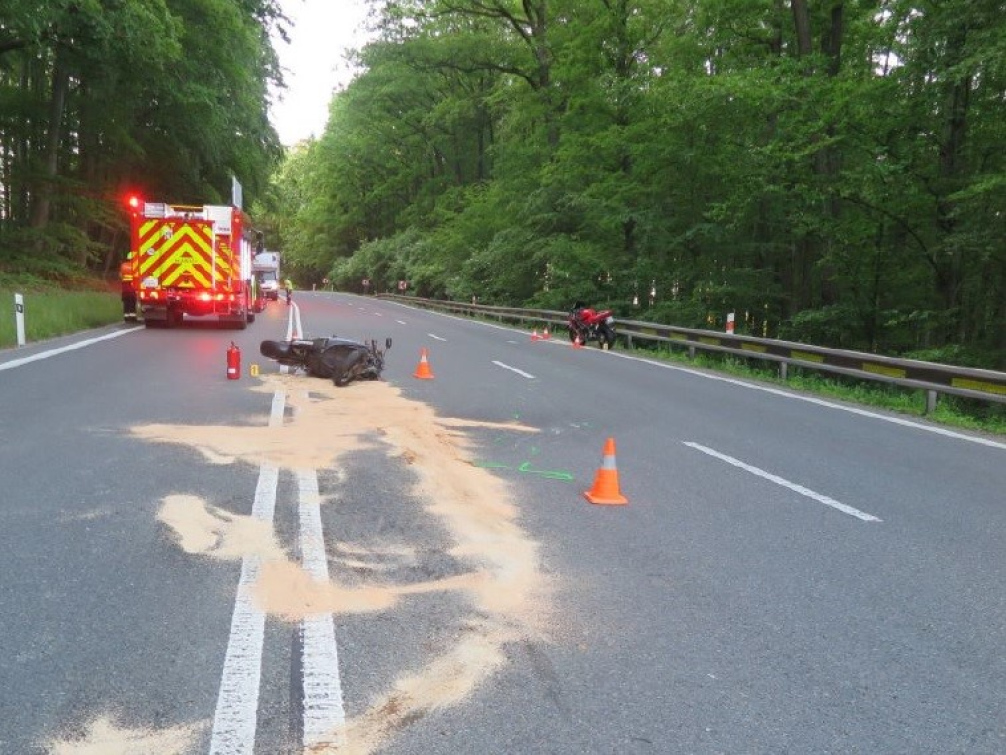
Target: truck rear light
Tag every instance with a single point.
(204, 296)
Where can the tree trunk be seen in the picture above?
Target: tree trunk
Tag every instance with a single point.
(825, 164)
(950, 273)
(41, 207)
(538, 14)
(829, 162)
(801, 22)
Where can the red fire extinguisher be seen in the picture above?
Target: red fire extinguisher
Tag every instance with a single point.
(233, 362)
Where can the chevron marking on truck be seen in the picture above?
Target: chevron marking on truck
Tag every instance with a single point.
(179, 253)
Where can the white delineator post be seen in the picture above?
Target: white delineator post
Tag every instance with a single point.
(730, 322)
(19, 318)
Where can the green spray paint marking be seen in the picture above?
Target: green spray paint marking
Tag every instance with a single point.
(525, 468)
(549, 474)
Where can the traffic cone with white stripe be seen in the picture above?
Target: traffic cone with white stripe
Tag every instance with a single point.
(423, 371)
(545, 334)
(534, 335)
(605, 488)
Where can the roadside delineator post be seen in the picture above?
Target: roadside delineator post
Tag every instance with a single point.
(605, 488)
(19, 318)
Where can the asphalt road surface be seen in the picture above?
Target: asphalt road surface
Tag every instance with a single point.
(191, 564)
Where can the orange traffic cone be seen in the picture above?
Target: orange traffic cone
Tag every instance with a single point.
(423, 371)
(534, 335)
(576, 342)
(545, 333)
(605, 489)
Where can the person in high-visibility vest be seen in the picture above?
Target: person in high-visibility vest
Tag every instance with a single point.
(288, 287)
(127, 276)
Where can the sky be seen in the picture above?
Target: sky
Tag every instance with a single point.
(313, 63)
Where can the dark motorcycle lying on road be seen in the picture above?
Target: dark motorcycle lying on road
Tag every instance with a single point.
(586, 324)
(340, 359)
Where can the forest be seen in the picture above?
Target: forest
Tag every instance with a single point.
(833, 172)
(99, 99)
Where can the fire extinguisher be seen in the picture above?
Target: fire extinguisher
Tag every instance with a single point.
(233, 362)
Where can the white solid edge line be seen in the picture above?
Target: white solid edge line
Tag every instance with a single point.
(845, 509)
(236, 717)
(755, 387)
(324, 714)
(63, 349)
(283, 368)
(821, 402)
(514, 369)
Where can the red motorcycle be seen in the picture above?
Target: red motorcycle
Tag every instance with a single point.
(588, 324)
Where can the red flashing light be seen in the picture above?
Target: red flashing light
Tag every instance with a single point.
(133, 200)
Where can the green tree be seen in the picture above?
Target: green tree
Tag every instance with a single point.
(828, 171)
(167, 96)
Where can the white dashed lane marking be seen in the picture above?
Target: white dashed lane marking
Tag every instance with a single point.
(845, 509)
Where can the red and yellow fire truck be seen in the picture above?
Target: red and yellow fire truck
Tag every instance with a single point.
(192, 261)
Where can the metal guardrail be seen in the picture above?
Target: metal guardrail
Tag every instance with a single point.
(934, 378)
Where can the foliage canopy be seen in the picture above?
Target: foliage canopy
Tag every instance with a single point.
(98, 98)
(828, 171)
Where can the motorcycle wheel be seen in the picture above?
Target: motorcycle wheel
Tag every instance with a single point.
(345, 369)
(607, 334)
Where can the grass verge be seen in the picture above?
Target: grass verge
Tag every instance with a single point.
(51, 312)
(953, 411)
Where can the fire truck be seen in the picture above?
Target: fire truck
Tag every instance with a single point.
(192, 261)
